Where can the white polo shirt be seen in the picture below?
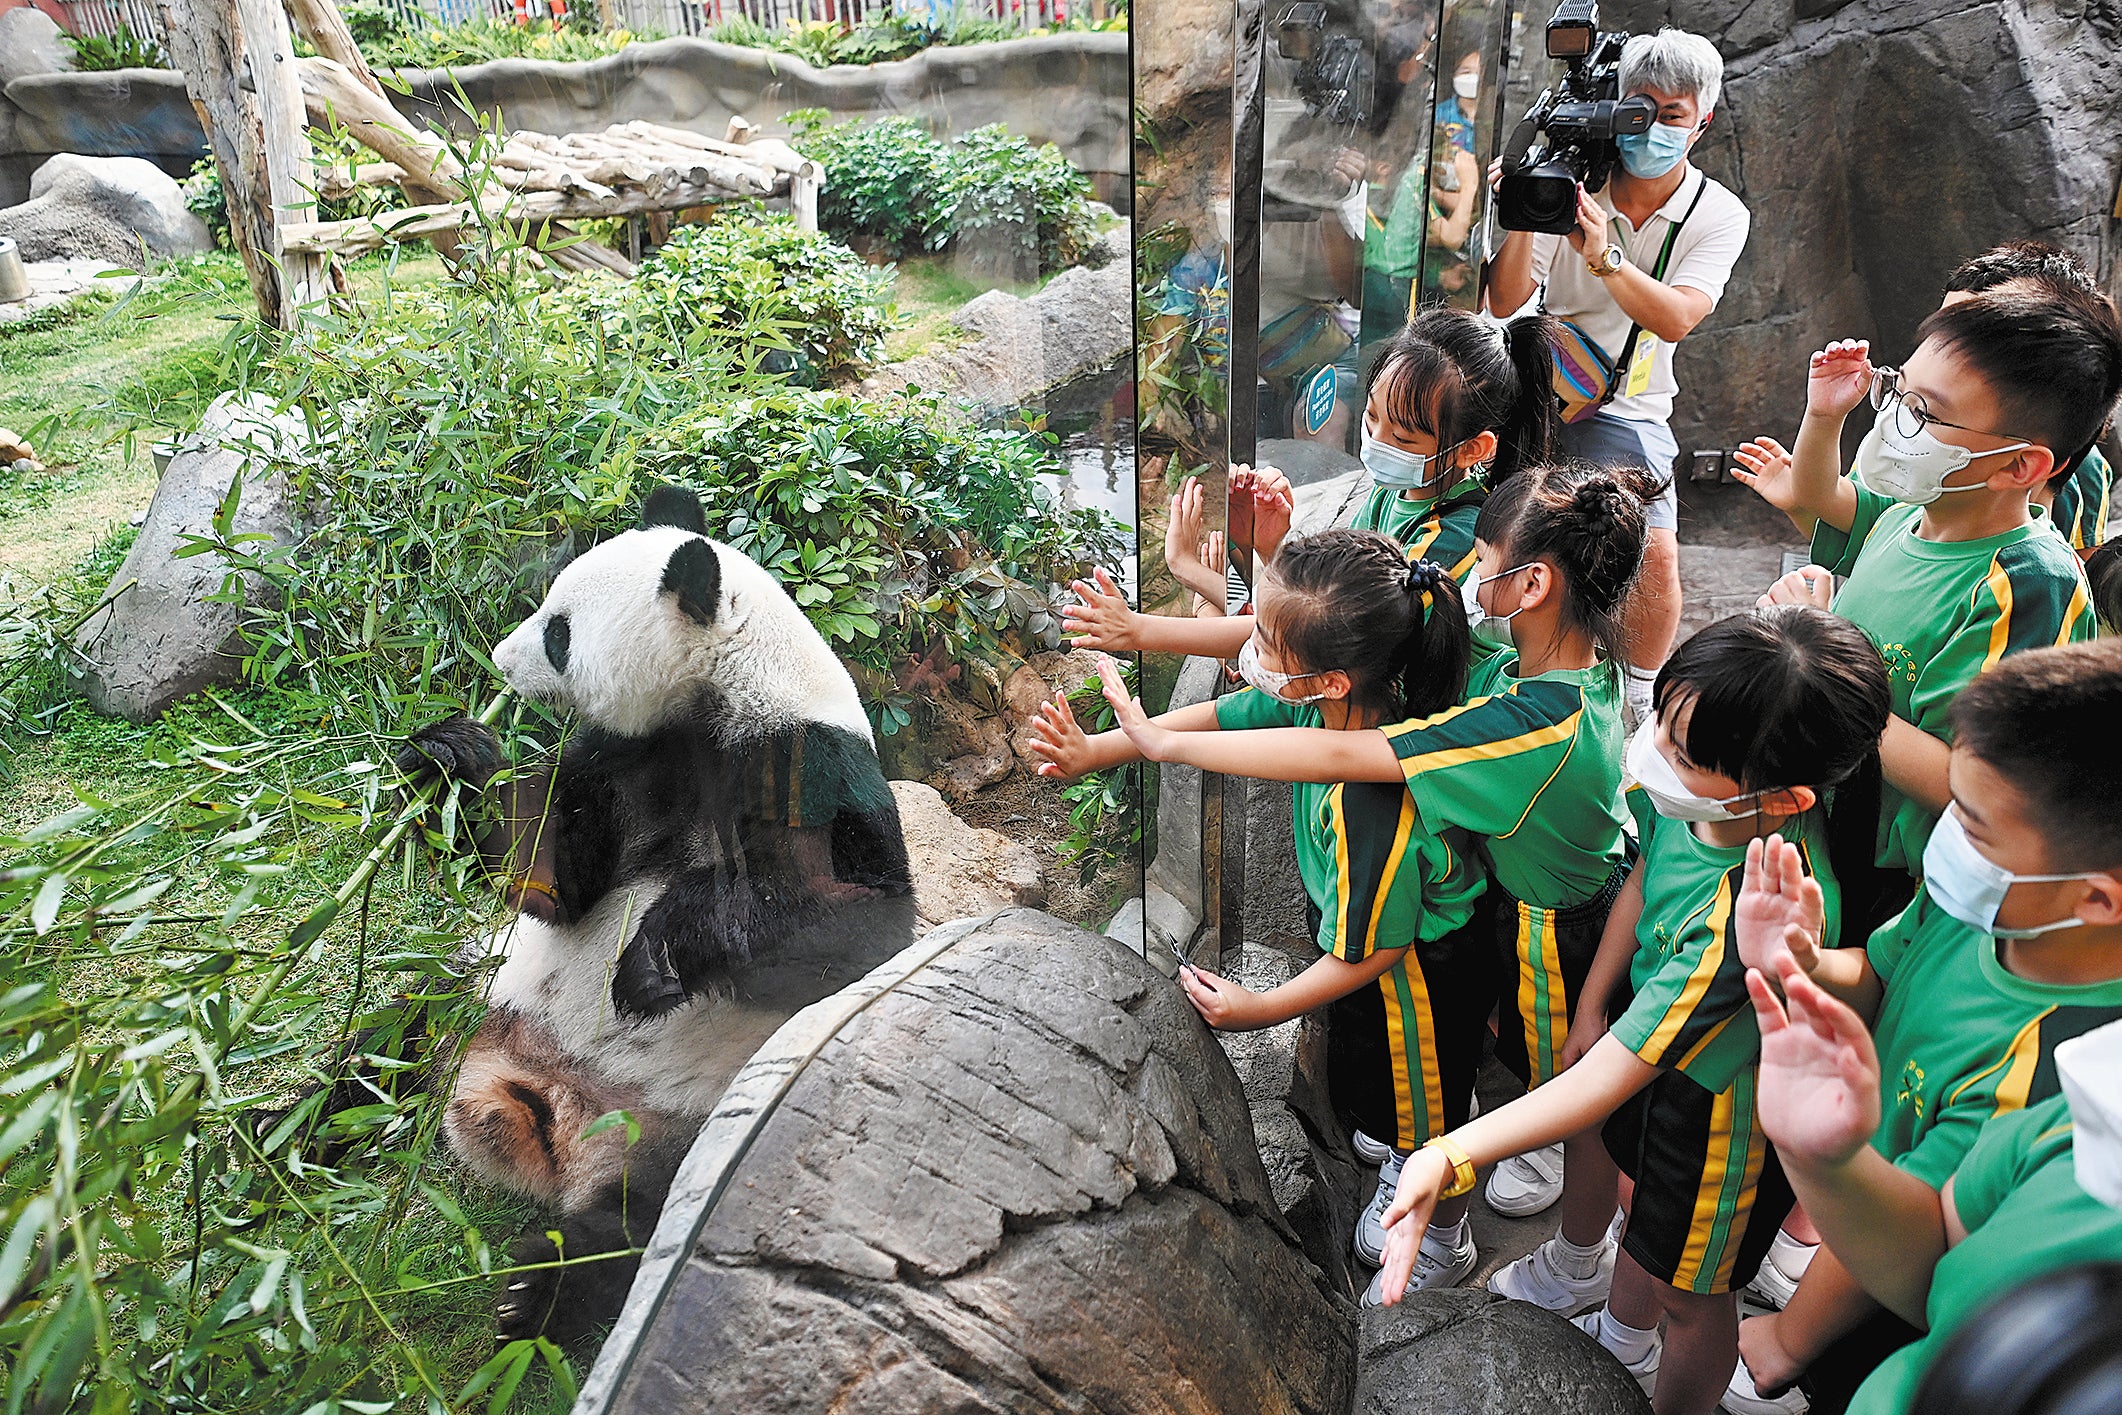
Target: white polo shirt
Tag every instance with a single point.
(1703, 257)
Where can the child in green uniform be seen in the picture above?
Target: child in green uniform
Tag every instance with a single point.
(1354, 634)
(1531, 763)
(1458, 403)
(2077, 496)
(1967, 1011)
(2040, 1189)
(1754, 717)
(1949, 567)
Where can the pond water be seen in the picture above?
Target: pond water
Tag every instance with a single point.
(1095, 419)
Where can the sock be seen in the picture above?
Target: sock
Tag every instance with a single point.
(1446, 1239)
(1630, 1344)
(1636, 685)
(1789, 1255)
(1574, 1262)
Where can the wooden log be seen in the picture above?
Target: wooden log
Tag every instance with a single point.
(434, 174)
(205, 43)
(320, 22)
(367, 233)
(291, 177)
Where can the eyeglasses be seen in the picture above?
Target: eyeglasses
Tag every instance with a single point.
(1911, 413)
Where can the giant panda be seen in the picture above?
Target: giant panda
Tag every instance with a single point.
(714, 847)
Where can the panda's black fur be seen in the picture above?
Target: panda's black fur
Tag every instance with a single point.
(708, 852)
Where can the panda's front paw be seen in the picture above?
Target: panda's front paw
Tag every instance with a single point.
(457, 748)
(566, 1303)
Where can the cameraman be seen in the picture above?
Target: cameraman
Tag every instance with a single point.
(1604, 285)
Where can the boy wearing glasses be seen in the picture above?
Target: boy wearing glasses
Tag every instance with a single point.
(1949, 565)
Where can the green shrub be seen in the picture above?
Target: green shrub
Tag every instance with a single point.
(887, 37)
(889, 182)
(476, 41)
(884, 179)
(894, 526)
(205, 197)
(120, 49)
(829, 306)
(997, 179)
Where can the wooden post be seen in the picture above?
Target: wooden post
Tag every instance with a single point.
(239, 72)
(291, 178)
(205, 40)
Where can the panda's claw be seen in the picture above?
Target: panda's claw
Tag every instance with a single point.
(457, 748)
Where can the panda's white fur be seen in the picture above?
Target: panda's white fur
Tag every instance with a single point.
(630, 643)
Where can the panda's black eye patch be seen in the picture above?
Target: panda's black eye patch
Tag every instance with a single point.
(557, 636)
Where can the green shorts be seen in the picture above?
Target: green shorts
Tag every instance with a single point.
(1709, 1192)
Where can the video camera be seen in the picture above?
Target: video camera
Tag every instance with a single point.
(1578, 123)
(1334, 75)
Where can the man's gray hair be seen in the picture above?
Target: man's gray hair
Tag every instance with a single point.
(1673, 61)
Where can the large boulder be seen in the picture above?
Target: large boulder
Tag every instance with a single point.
(960, 869)
(161, 639)
(31, 42)
(1008, 1171)
(1471, 1352)
(1014, 350)
(118, 209)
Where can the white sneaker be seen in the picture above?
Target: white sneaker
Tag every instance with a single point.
(1740, 1397)
(1523, 1185)
(1371, 1151)
(1370, 1224)
(1645, 1371)
(1781, 1269)
(1435, 1266)
(1535, 1278)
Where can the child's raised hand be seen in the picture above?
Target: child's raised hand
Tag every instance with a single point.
(1838, 379)
(1274, 507)
(1422, 1179)
(1239, 520)
(1765, 468)
(1781, 912)
(1183, 531)
(1808, 584)
(1212, 554)
(1819, 1089)
(1060, 741)
(1149, 739)
(1101, 618)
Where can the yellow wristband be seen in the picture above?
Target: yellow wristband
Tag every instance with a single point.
(1462, 1167)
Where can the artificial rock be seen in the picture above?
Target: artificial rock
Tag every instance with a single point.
(119, 209)
(1471, 1352)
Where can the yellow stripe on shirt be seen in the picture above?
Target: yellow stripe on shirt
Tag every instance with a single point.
(1705, 972)
(1401, 832)
(1489, 751)
(1999, 584)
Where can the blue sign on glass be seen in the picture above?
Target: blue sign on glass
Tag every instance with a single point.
(1319, 393)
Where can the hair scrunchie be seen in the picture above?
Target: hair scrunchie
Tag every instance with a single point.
(1426, 578)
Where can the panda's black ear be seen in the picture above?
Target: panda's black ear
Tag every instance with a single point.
(694, 575)
(674, 506)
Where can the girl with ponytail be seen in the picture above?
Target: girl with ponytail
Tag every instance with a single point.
(1353, 635)
(1530, 765)
(1457, 404)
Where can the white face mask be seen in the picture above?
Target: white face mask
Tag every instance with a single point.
(1496, 625)
(1275, 685)
(1466, 86)
(1668, 793)
(2090, 1068)
(1913, 469)
(1971, 887)
(1397, 467)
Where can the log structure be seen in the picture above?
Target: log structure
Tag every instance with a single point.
(628, 169)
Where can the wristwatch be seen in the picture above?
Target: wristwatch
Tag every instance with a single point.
(1607, 264)
(1462, 1180)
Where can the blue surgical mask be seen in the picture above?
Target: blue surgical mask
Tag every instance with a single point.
(1653, 152)
(1971, 887)
(1396, 467)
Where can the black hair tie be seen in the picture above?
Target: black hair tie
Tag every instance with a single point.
(1424, 577)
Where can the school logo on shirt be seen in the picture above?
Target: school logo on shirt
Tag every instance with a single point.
(1910, 1091)
(1900, 663)
(1661, 938)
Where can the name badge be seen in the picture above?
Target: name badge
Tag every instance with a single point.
(1641, 362)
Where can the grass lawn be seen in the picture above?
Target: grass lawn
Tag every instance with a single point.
(929, 291)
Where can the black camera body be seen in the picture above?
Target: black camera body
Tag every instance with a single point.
(1568, 137)
(1334, 77)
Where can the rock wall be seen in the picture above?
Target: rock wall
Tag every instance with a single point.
(1878, 144)
(1009, 1170)
(1067, 89)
